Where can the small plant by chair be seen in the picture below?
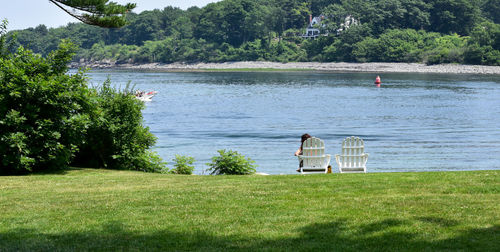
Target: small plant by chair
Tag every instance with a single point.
(231, 163)
(183, 165)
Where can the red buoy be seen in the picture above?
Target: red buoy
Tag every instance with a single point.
(377, 81)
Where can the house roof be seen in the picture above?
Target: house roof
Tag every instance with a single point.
(316, 20)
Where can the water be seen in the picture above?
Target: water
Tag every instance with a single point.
(414, 122)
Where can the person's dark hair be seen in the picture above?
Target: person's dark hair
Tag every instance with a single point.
(304, 138)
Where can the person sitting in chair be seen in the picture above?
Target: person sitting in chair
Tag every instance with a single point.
(299, 151)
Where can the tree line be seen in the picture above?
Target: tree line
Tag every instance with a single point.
(433, 32)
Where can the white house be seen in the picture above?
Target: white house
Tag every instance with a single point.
(312, 30)
(348, 21)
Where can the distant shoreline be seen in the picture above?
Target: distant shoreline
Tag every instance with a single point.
(298, 66)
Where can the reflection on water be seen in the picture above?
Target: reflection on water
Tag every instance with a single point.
(414, 122)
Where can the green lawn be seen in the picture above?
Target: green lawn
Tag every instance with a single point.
(107, 210)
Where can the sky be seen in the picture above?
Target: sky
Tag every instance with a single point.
(23, 14)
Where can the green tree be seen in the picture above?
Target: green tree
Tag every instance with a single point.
(444, 49)
(416, 15)
(396, 45)
(295, 13)
(335, 14)
(169, 18)
(209, 26)
(183, 28)
(386, 14)
(344, 45)
(146, 26)
(484, 45)
(392, 46)
(453, 16)
(316, 6)
(492, 8)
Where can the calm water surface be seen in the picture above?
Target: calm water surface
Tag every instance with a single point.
(414, 122)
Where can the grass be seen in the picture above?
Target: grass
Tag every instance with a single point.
(88, 209)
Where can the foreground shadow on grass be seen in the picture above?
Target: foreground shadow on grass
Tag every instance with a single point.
(385, 235)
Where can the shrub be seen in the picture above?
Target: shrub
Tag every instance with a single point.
(49, 118)
(116, 137)
(183, 165)
(42, 110)
(231, 163)
(149, 161)
(444, 55)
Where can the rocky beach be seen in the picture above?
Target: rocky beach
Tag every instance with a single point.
(299, 66)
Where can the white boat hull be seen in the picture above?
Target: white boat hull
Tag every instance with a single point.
(147, 97)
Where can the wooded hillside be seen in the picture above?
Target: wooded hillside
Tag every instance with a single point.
(437, 31)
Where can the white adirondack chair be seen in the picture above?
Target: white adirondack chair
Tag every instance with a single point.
(313, 158)
(353, 157)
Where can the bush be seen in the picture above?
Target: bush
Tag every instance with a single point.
(49, 119)
(484, 45)
(231, 163)
(444, 55)
(116, 138)
(42, 111)
(149, 161)
(183, 165)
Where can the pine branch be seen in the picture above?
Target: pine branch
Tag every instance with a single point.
(96, 12)
(65, 10)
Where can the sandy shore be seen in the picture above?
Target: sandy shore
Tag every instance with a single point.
(313, 66)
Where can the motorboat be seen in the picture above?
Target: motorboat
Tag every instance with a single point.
(145, 96)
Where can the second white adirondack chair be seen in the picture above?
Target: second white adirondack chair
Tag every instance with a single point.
(353, 157)
(313, 158)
